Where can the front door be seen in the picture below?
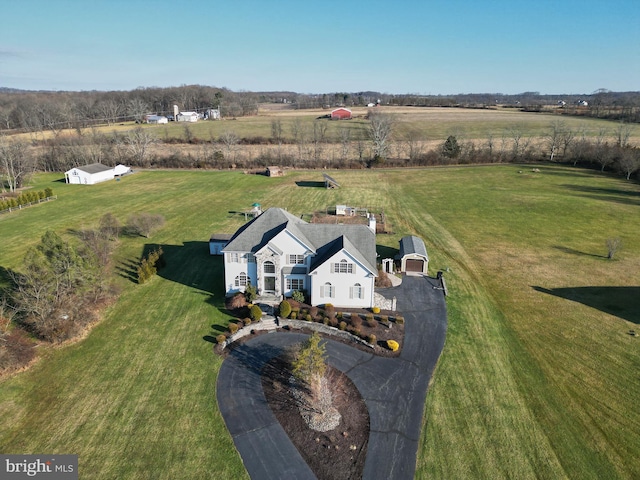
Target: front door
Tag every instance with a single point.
(270, 284)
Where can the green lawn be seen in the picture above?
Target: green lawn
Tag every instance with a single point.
(538, 378)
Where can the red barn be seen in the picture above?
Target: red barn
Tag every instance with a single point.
(341, 114)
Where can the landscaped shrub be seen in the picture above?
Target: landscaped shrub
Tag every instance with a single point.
(255, 313)
(48, 192)
(294, 315)
(221, 338)
(246, 321)
(392, 345)
(325, 320)
(372, 339)
(342, 325)
(356, 321)
(372, 322)
(233, 327)
(313, 311)
(308, 317)
(329, 310)
(339, 315)
(298, 296)
(384, 319)
(333, 322)
(285, 309)
(375, 309)
(250, 292)
(238, 301)
(400, 320)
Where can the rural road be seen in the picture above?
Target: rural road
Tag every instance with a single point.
(394, 390)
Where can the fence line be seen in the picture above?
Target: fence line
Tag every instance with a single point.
(29, 204)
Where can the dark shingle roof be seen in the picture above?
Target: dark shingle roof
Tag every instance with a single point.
(412, 245)
(94, 168)
(325, 240)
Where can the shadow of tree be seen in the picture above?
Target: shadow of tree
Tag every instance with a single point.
(622, 302)
(577, 252)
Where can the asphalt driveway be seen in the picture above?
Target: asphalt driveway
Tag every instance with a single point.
(394, 390)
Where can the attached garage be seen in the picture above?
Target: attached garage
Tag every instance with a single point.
(413, 255)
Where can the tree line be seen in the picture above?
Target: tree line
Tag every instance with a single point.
(58, 290)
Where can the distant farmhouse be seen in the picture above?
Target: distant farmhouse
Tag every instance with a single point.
(157, 119)
(341, 114)
(187, 117)
(94, 173)
(279, 253)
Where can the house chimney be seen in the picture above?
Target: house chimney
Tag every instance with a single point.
(372, 222)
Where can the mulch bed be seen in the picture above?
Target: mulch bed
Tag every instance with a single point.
(336, 454)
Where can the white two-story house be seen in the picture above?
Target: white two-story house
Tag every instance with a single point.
(280, 253)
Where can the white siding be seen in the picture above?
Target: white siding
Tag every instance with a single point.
(233, 269)
(342, 284)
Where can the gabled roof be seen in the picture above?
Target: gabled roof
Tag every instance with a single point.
(254, 235)
(412, 245)
(324, 240)
(92, 168)
(348, 237)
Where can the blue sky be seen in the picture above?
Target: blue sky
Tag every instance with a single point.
(424, 47)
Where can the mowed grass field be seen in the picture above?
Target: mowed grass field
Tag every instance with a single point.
(538, 378)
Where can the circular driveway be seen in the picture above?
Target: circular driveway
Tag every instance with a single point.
(394, 390)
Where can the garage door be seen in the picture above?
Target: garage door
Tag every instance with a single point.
(413, 265)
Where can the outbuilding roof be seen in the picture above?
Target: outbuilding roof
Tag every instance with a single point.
(92, 168)
(412, 245)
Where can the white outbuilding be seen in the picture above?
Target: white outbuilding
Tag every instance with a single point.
(157, 119)
(187, 117)
(94, 173)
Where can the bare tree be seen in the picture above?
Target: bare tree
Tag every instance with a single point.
(629, 161)
(144, 223)
(622, 133)
(318, 137)
(137, 109)
(613, 245)
(16, 163)
(380, 129)
(138, 142)
(230, 141)
(553, 137)
(344, 135)
(277, 136)
(413, 145)
(109, 110)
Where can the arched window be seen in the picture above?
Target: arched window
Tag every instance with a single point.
(269, 267)
(241, 280)
(356, 291)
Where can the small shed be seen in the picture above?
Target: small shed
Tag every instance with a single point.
(217, 242)
(187, 117)
(413, 255)
(274, 171)
(89, 174)
(341, 114)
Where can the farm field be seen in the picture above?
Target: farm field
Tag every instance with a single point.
(431, 124)
(538, 378)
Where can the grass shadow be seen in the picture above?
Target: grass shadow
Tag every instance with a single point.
(128, 269)
(622, 302)
(387, 252)
(577, 252)
(310, 184)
